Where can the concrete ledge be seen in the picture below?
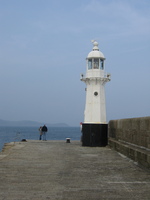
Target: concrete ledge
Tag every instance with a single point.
(7, 146)
(132, 130)
(138, 154)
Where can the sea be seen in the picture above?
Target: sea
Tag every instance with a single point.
(15, 134)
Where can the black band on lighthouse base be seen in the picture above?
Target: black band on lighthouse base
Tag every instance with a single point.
(94, 135)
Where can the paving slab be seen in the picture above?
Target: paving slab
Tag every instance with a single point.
(56, 170)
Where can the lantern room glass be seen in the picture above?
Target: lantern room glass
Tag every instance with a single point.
(89, 63)
(101, 64)
(95, 63)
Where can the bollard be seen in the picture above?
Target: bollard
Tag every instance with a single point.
(67, 140)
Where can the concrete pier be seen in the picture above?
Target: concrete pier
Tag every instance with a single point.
(56, 170)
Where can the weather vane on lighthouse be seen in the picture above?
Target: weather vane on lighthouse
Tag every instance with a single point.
(94, 127)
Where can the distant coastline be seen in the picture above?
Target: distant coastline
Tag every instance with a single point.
(28, 123)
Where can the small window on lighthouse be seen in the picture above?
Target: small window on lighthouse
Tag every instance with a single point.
(102, 64)
(96, 63)
(95, 93)
(90, 64)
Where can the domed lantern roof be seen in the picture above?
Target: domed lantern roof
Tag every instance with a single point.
(96, 53)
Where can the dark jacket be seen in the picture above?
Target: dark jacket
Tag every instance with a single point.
(44, 129)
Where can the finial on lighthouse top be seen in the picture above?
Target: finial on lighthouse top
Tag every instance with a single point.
(95, 53)
(95, 45)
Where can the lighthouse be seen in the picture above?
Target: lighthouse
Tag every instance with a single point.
(94, 127)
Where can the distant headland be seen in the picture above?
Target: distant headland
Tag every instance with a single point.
(29, 123)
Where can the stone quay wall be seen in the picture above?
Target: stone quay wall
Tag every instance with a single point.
(131, 137)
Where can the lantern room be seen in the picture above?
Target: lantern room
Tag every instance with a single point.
(95, 59)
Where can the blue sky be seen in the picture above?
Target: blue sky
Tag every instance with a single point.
(43, 47)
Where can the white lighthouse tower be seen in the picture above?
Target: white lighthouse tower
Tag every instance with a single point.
(94, 128)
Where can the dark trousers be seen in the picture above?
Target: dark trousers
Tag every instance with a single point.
(44, 136)
(40, 137)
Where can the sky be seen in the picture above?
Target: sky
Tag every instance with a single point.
(43, 50)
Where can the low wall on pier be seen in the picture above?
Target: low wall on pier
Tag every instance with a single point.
(131, 137)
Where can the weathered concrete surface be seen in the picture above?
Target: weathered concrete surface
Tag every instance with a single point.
(38, 170)
(131, 130)
(131, 137)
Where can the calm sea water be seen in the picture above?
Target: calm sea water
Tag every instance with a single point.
(11, 134)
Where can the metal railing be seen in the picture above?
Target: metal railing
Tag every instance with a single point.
(17, 137)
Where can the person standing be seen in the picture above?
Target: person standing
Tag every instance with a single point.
(44, 130)
(40, 130)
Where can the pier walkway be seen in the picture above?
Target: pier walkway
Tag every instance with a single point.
(56, 170)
